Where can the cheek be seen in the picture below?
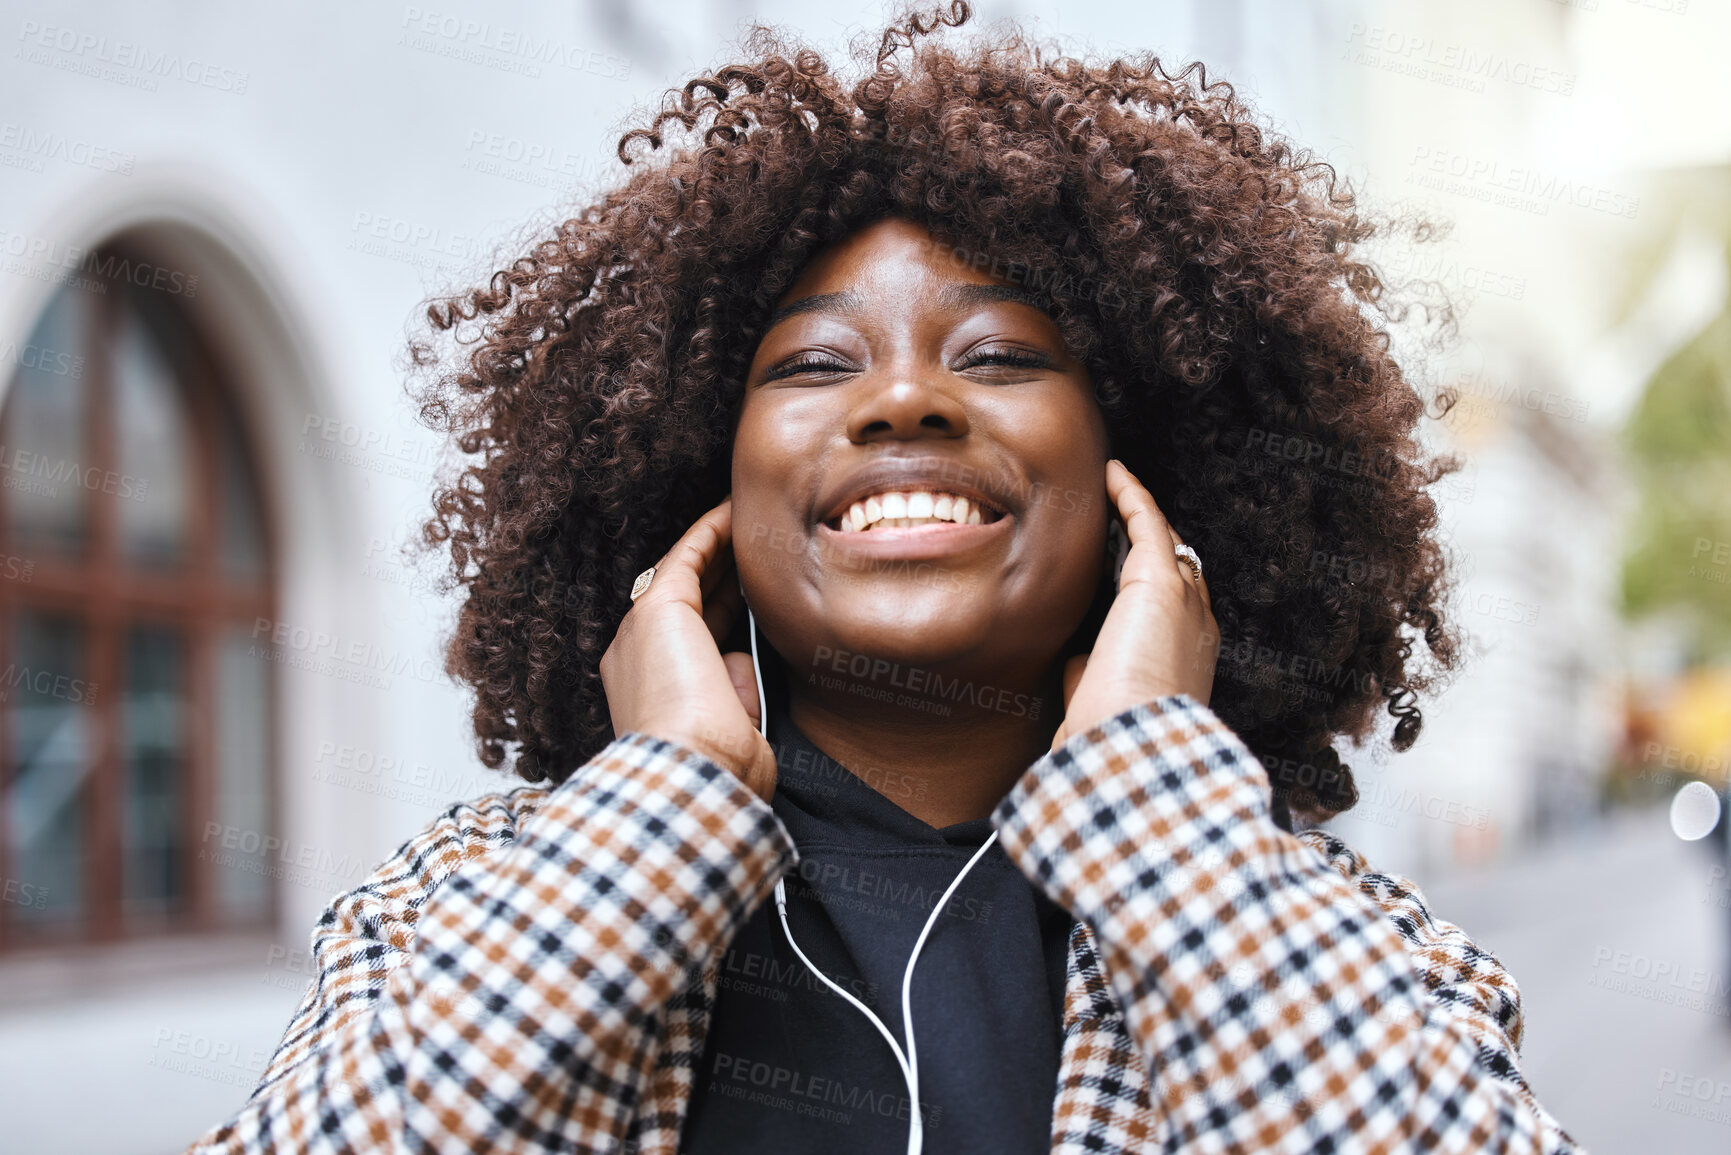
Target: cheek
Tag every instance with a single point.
(768, 537)
(1068, 506)
(755, 453)
(1060, 432)
(1065, 457)
(748, 445)
(1077, 549)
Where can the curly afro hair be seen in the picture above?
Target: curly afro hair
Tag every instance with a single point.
(1202, 268)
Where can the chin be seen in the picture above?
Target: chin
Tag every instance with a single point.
(932, 629)
(901, 628)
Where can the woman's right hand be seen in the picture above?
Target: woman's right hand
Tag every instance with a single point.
(665, 675)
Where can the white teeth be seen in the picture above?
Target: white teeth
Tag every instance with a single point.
(904, 509)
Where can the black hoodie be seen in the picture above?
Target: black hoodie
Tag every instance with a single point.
(790, 1066)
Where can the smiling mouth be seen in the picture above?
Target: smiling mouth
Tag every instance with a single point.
(910, 509)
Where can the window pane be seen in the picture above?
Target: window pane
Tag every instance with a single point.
(47, 703)
(153, 756)
(154, 442)
(242, 789)
(44, 455)
(242, 518)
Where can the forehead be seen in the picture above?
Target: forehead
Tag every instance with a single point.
(892, 259)
(894, 247)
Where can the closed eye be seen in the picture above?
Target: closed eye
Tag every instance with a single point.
(1008, 358)
(1023, 358)
(806, 365)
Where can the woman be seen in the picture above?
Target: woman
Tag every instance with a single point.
(788, 569)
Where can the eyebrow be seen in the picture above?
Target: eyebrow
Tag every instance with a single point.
(844, 302)
(954, 297)
(957, 296)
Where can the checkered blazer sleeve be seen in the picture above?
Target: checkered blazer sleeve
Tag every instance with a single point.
(1286, 999)
(496, 985)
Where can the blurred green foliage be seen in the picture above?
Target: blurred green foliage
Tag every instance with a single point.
(1678, 446)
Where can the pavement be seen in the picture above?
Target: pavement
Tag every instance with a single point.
(1617, 937)
(141, 1072)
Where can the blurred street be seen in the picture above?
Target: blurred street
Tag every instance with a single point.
(1584, 924)
(219, 223)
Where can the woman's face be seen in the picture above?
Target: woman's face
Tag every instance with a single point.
(891, 367)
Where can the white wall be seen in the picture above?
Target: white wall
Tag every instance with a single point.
(325, 167)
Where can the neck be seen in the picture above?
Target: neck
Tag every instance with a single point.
(960, 765)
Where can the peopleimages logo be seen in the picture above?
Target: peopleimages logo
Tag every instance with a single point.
(1302, 450)
(1427, 58)
(1472, 278)
(47, 684)
(257, 852)
(1523, 187)
(921, 685)
(108, 266)
(354, 659)
(44, 360)
(45, 475)
(42, 145)
(24, 894)
(496, 46)
(832, 879)
(1659, 980)
(1696, 1096)
(801, 1092)
(219, 1060)
(123, 61)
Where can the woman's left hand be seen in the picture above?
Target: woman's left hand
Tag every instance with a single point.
(1159, 637)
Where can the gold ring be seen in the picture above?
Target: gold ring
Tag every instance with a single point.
(1189, 557)
(642, 583)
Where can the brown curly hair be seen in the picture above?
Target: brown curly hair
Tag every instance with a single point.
(1201, 267)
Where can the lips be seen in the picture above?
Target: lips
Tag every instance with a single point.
(895, 509)
(903, 482)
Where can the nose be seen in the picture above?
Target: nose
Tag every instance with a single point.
(905, 409)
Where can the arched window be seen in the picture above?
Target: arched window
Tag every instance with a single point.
(135, 728)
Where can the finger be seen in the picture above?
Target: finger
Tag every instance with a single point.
(1143, 521)
(679, 574)
(1144, 524)
(744, 678)
(721, 571)
(1134, 501)
(721, 610)
(1073, 670)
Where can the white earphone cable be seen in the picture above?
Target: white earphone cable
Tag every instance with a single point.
(908, 1061)
(908, 977)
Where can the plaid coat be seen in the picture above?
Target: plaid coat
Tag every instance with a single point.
(534, 971)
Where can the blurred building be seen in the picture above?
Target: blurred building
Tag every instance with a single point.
(1516, 746)
(224, 700)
